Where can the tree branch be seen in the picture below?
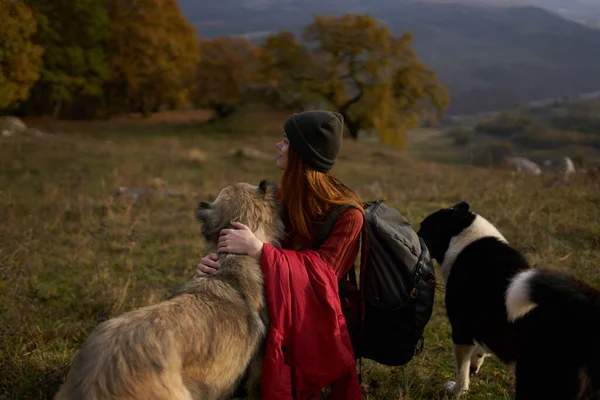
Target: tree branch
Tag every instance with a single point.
(352, 75)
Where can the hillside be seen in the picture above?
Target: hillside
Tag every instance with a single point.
(97, 219)
(579, 10)
(544, 134)
(490, 57)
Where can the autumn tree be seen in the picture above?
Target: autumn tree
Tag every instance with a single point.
(20, 58)
(286, 67)
(371, 77)
(416, 96)
(152, 55)
(73, 71)
(228, 66)
(285, 62)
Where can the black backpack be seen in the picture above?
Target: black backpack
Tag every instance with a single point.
(387, 312)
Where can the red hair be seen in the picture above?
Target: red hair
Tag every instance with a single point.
(308, 194)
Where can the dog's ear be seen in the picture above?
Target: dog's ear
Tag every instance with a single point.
(460, 210)
(267, 187)
(262, 186)
(201, 211)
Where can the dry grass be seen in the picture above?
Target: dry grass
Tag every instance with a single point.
(72, 254)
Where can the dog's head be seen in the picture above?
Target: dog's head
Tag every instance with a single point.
(438, 228)
(254, 206)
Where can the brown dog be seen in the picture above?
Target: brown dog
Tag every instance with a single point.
(199, 343)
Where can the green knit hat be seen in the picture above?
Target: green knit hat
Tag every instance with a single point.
(316, 136)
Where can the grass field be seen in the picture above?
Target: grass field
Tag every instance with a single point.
(72, 254)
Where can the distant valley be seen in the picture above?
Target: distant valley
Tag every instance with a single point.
(491, 55)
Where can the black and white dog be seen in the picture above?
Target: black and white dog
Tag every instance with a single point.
(542, 323)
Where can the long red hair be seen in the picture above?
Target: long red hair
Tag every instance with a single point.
(308, 194)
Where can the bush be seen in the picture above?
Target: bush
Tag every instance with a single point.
(461, 136)
(580, 123)
(494, 154)
(526, 132)
(505, 126)
(544, 137)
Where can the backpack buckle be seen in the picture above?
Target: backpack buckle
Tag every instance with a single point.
(414, 293)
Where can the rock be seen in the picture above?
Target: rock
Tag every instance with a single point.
(139, 193)
(196, 155)
(35, 133)
(522, 164)
(10, 126)
(157, 182)
(248, 152)
(568, 167)
(155, 189)
(565, 170)
(135, 193)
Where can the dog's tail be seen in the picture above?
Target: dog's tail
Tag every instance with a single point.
(547, 288)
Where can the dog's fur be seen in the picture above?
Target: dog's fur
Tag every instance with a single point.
(199, 343)
(541, 322)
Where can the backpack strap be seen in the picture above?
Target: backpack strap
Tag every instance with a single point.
(328, 223)
(320, 238)
(364, 256)
(364, 253)
(324, 231)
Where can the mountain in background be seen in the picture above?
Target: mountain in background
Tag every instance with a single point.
(584, 11)
(490, 56)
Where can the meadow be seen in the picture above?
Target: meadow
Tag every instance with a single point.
(97, 218)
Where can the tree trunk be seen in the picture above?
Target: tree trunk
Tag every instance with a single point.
(222, 110)
(145, 108)
(353, 127)
(57, 109)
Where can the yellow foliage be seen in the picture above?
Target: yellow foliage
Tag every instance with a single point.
(228, 66)
(352, 62)
(20, 58)
(283, 60)
(372, 78)
(152, 53)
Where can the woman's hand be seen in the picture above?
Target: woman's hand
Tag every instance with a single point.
(240, 241)
(208, 265)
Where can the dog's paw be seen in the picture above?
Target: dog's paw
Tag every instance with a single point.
(453, 389)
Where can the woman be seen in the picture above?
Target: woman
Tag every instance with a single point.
(308, 345)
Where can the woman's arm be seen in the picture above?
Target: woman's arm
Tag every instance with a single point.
(339, 250)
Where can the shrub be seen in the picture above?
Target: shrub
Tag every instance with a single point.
(461, 136)
(494, 154)
(544, 137)
(505, 125)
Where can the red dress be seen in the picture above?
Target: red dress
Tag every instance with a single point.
(308, 346)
